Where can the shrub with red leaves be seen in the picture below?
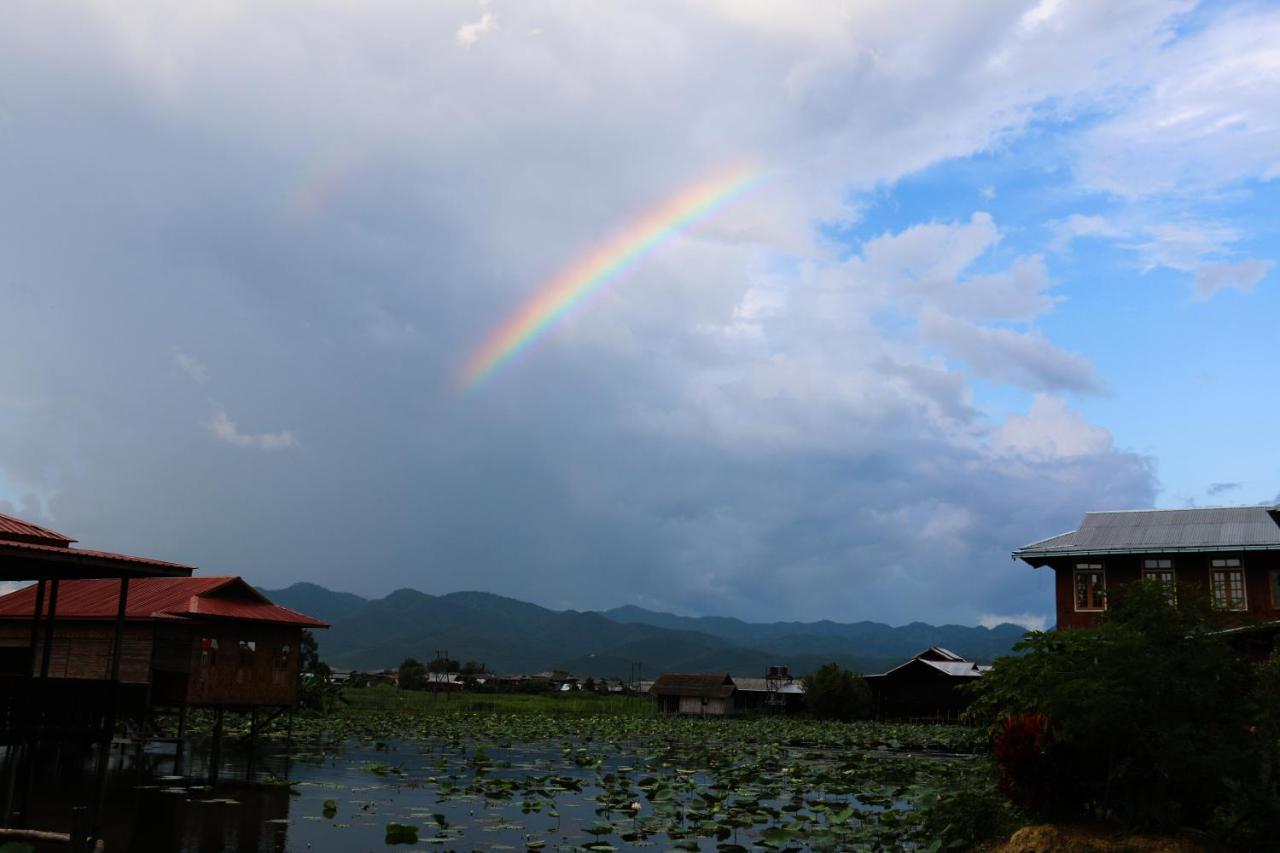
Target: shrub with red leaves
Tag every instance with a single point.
(1022, 751)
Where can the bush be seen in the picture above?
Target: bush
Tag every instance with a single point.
(835, 693)
(966, 815)
(1146, 719)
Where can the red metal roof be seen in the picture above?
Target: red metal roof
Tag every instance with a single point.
(85, 552)
(16, 530)
(158, 599)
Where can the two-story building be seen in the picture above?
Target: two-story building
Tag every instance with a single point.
(1232, 552)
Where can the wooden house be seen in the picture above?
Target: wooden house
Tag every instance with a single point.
(924, 687)
(694, 694)
(1233, 553)
(186, 641)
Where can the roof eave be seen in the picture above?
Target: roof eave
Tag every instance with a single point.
(1037, 558)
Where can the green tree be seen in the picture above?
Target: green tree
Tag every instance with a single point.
(1145, 719)
(309, 656)
(835, 693)
(315, 691)
(413, 675)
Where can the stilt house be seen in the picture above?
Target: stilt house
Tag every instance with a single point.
(186, 641)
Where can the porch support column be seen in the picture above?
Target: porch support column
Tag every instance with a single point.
(109, 722)
(48, 629)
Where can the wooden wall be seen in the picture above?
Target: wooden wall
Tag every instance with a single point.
(1190, 568)
(230, 678)
(83, 649)
(170, 658)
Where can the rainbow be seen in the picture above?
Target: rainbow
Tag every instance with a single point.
(601, 265)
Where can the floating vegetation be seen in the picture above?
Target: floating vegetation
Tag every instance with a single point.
(462, 779)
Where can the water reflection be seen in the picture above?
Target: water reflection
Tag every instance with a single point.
(150, 806)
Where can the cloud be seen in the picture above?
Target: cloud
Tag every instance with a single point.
(191, 366)
(1241, 275)
(1049, 430)
(469, 34)
(1025, 359)
(1219, 488)
(1186, 245)
(1204, 119)
(224, 429)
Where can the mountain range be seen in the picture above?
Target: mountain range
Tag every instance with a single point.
(512, 636)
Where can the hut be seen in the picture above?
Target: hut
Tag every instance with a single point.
(924, 687)
(186, 641)
(694, 694)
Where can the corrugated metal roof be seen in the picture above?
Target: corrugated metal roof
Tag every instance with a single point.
(954, 665)
(16, 530)
(761, 685)
(97, 555)
(1209, 528)
(158, 599)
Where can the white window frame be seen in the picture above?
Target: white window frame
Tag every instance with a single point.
(1225, 566)
(1088, 569)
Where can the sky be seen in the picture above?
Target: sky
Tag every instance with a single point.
(995, 265)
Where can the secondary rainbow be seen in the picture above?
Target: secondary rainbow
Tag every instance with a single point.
(601, 265)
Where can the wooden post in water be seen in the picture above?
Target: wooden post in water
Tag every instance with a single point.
(253, 744)
(215, 746)
(182, 739)
(77, 829)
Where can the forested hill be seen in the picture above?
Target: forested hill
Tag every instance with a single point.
(514, 636)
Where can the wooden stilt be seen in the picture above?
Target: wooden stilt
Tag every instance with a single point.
(215, 746)
(182, 739)
(109, 721)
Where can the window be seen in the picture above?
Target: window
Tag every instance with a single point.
(1226, 582)
(1275, 588)
(1091, 587)
(282, 657)
(248, 648)
(208, 652)
(1161, 571)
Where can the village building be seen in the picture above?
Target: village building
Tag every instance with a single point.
(778, 692)
(1232, 553)
(716, 695)
(694, 694)
(925, 687)
(187, 641)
